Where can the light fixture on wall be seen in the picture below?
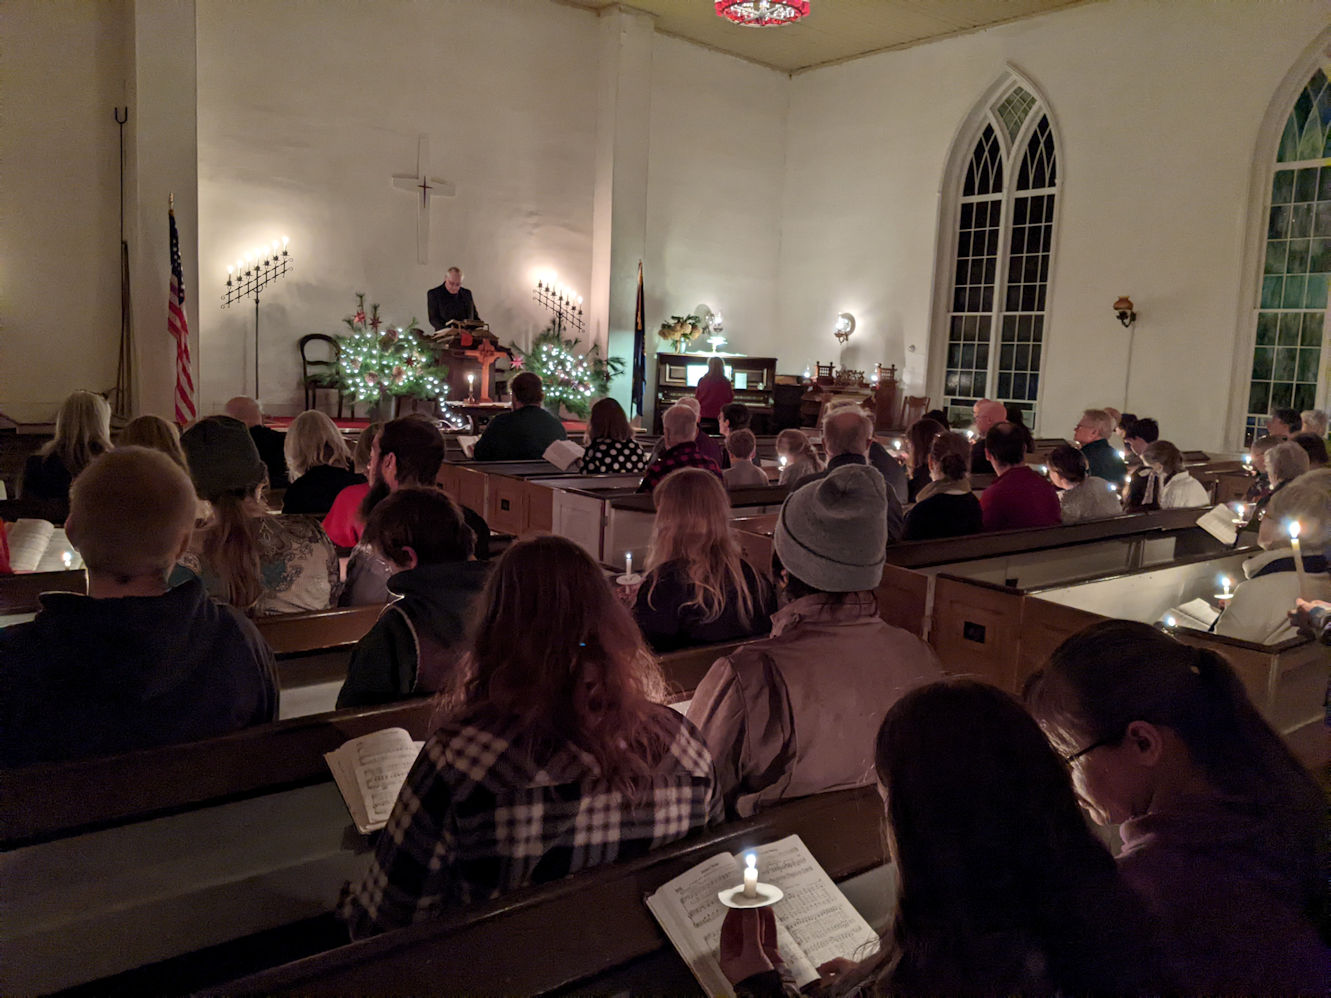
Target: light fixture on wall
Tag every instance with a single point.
(253, 271)
(1123, 310)
(713, 325)
(762, 13)
(845, 325)
(562, 300)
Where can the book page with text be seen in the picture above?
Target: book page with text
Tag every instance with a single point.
(380, 763)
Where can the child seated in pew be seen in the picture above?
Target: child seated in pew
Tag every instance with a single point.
(1224, 833)
(246, 557)
(799, 458)
(554, 752)
(698, 589)
(794, 714)
(133, 664)
(742, 445)
(1003, 889)
(419, 640)
(1259, 610)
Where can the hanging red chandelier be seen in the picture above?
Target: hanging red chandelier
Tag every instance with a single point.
(762, 13)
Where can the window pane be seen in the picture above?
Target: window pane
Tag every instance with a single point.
(1289, 329)
(1312, 328)
(1307, 366)
(1266, 329)
(1314, 294)
(1293, 292)
(1271, 292)
(1300, 221)
(1259, 397)
(1282, 187)
(1298, 256)
(1276, 252)
(1305, 396)
(1262, 359)
(1286, 358)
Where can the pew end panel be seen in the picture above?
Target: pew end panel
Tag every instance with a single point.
(464, 485)
(976, 629)
(903, 598)
(1044, 626)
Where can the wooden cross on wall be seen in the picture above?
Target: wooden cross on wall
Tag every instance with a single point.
(423, 187)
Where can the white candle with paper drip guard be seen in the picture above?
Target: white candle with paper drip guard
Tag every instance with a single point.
(1294, 530)
(1227, 593)
(629, 578)
(751, 893)
(68, 559)
(1170, 621)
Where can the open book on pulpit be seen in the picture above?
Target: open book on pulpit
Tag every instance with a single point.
(814, 920)
(370, 771)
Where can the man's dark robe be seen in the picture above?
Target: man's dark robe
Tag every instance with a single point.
(445, 307)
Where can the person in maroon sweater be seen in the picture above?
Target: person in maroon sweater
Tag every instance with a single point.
(1019, 497)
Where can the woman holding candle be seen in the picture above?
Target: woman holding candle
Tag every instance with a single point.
(698, 588)
(552, 753)
(798, 458)
(1257, 611)
(1224, 832)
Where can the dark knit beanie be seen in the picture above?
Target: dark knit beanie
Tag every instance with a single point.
(222, 457)
(831, 534)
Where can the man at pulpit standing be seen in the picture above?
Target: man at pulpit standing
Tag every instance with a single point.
(450, 302)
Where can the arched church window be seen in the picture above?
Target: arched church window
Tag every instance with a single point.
(1292, 294)
(1000, 276)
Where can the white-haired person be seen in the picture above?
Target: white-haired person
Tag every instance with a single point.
(1094, 431)
(82, 432)
(1261, 604)
(135, 663)
(680, 448)
(319, 464)
(705, 442)
(1285, 462)
(1314, 422)
(1171, 487)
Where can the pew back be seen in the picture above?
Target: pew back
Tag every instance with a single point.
(19, 593)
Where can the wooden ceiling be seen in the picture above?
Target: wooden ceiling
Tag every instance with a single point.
(835, 30)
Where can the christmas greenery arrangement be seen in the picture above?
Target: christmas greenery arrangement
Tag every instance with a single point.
(570, 378)
(376, 360)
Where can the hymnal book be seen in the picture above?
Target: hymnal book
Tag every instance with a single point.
(1196, 613)
(468, 443)
(40, 546)
(370, 771)
(814, 921)
(563, 454)
(1219, 523)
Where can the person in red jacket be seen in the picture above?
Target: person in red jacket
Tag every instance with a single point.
(714, 392)
(1019, 497)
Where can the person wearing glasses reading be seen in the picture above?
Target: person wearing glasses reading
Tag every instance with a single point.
(1224, 832)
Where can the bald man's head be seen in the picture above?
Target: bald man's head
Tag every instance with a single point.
(245, 409)
(987, 413)
(847, 431)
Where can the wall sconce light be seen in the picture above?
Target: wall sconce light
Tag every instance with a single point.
(713, 325)
(1123, 309)
(845, 325)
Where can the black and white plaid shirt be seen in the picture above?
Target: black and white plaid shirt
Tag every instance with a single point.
(477, 817)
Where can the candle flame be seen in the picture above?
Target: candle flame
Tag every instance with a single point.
(1293, 528)
(751, 860)
(1169, 620)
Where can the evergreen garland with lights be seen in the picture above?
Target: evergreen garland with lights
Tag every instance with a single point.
(570, 378)
(374, 362)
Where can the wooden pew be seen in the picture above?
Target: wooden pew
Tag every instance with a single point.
(541, 939)
(54, 800)
(18, 593)
(53, 510)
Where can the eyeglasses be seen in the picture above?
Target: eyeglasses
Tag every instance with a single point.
(1068, 760)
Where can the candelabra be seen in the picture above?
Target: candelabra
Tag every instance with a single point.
(250, 274)
(560, 300)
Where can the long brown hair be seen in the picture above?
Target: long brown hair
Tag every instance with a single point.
(586, 678)
(692, 528)
(608, 420)
(919, 437)
(994, 858)
(228, 544)
(1103, 678)
(82, 431)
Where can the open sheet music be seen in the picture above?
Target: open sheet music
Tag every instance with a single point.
(40, 546)
(370, 771)
(814, 921)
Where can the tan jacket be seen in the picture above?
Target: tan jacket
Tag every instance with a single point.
(797, 713)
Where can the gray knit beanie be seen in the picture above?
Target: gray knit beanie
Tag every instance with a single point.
(831, 534)
(222, 457)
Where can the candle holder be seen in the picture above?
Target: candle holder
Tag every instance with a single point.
(250, 275)
(566, 306)
(751, 894)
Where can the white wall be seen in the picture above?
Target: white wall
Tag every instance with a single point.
(717, 170)
(306, 111)
(1159, 106)
(64, 71)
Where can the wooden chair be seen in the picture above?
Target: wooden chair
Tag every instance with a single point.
(913, 407)
(317, 373)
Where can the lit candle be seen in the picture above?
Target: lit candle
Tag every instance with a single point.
(781, 460)
(1226, 593)
(1169, 620)
(750, 875)
(67, 558)
(1247, 459)
(1294, 530)
(285, 240)
(628, 562)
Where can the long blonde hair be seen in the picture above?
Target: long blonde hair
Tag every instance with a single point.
(314, 439)
(798, 445)
(82, 431)
(692, 528)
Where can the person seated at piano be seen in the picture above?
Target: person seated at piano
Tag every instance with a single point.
(1171, 485)
(418, 642)
(450, 301)
(82, 432)
(792, 714)
(947, 506)
(1082, 496)
(318, 464)
(698, 589)
(714, 392)
(524, 433)
(1003, 888)
(135, 663)
(742, 448)
(611, 449)
(1223, 830)
(1019, 498)
(680, 448)
(406, 454)
(1092, 434)
(552, 752)
(1258, 611)
(258, 563)
(343, 524)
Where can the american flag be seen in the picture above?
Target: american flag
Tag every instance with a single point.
(178, 326)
